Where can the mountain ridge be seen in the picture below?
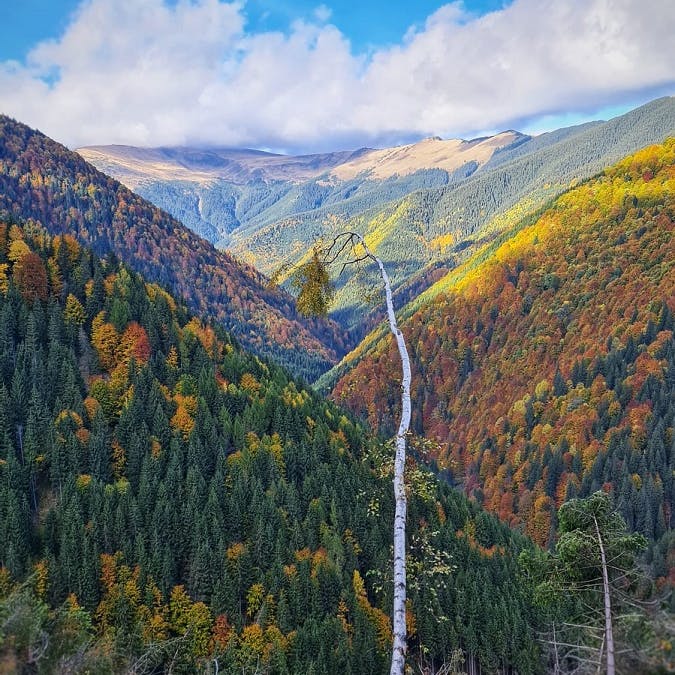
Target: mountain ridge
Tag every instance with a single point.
(429, 153)
(240, 165)
(43, 180)
(424, 222)
(202, 165)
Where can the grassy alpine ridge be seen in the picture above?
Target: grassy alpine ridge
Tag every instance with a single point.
(544, 365)
(43, 181)
(167, 499)
(448, 223)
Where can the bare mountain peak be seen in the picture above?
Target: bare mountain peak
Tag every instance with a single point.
(429, 153)
(135, 166)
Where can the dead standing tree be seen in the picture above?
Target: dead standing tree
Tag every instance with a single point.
(315, 295)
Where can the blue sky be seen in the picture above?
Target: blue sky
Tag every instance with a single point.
(309, 75)
(23, 24)
(368, 23)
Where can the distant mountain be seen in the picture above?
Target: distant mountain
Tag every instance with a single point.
(439, 225)
(544, 366)
(136, 167)
(423, 207)
(225, 194)
(431, 153)
(43, 181)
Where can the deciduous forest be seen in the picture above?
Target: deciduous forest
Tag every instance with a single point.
(174, 496)
(544, 367)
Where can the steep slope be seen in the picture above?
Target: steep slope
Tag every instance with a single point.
(43, 181)
(424, 207)
(545, 365)
(171, 503)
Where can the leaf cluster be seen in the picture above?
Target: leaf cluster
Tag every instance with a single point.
(313, 285)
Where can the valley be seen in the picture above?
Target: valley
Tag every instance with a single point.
(543, 365)
(175, 496)
(422, 207)
(337, 338)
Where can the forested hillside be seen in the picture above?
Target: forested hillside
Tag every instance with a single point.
(219, 192)
(545, 366)
(170, 503)
(42, 181)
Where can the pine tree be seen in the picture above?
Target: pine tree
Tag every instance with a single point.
(586, 585)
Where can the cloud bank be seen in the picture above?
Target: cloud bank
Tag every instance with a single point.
(144, 72)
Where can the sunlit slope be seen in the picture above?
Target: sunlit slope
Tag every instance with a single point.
(544, 366)
(439, 224)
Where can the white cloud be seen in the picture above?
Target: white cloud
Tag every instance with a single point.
(322, 13)
(147, 73)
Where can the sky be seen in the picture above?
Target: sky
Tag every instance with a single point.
(303, 76)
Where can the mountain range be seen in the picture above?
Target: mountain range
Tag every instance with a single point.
(423, 208)
(170, 498)
(515, 178)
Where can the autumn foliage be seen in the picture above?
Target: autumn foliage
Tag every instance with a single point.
(544, 371)
(168, 500)
(44, 181)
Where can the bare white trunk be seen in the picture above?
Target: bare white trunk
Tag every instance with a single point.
(609, 636)
(399, 622)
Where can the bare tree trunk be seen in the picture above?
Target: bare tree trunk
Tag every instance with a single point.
(399, 622)
(609, 637)
(556, 667)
